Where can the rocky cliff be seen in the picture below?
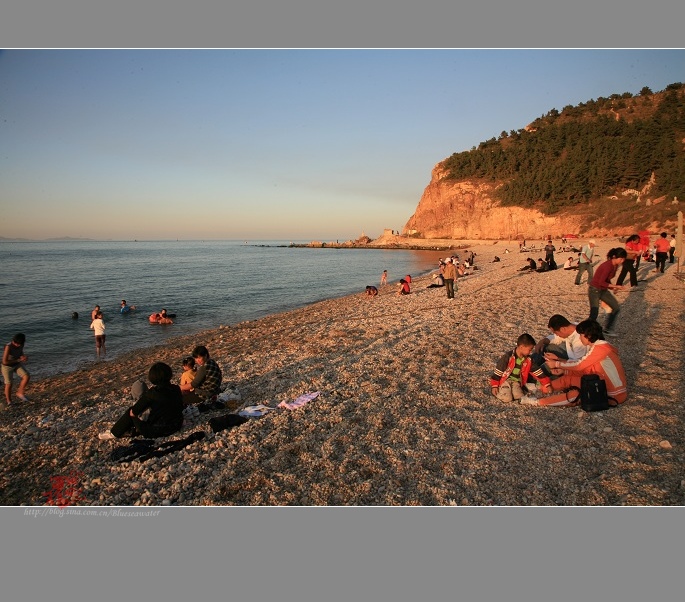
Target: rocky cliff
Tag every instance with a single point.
(468, 209)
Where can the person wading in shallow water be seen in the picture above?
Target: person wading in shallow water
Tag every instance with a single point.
(13, 359)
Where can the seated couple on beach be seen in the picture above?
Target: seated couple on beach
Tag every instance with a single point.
(205, 385)
(508, 380)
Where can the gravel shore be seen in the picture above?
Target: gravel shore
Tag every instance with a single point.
(404, 415)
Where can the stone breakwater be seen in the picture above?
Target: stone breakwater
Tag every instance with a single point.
(404, 415)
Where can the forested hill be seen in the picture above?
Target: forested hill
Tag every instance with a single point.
(598, 149)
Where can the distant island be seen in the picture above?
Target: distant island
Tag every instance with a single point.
(58, 239)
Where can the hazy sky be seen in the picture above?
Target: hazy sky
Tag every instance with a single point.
(267, 144)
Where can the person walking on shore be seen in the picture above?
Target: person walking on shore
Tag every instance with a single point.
(628, 267)
(671, 250)
(585, 261)
(13, 359)
(662, 247)
(384, 278)
(98, 325)
(600, 288)
(449, 274)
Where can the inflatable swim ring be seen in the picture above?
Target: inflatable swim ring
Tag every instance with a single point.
(157, 318)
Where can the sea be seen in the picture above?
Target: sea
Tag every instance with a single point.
(205, 283)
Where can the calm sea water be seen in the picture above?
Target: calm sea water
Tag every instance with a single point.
(205, 283)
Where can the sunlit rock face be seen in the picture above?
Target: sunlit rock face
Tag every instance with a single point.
(468, 210)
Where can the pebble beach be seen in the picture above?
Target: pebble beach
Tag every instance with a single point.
(404, 416)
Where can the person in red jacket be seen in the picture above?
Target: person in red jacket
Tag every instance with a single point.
(629, 267)
(663, 246)
(600, 287)
(508, 379)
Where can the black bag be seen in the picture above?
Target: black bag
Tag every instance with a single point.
(227, 421)
(593, 393)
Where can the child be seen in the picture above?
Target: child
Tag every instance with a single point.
(98, 325)
(508, 380)
(188, 374)
(13, 359)
(371, 291)
(164, 402)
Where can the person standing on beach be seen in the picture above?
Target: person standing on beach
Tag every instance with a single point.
(449, 274)
(13, 359)
(628, 267)
(207, 382)
(600, 288)
(585, 262)
(549, 255)
(662, 247)
(671, 250)
(98, 325)
(384, 278)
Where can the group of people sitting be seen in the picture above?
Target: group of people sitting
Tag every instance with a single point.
(542, 265)
(158, 410)
(557, 362)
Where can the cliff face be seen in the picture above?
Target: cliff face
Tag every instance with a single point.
(467, 210)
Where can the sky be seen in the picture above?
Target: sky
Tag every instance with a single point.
(269, 144)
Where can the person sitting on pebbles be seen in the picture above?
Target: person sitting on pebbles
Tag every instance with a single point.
(508, 379)
(530, 266)
(163, 403)
(371, 291)
(563, 343)
(206, 385)
(404, 287)
(601, 359)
